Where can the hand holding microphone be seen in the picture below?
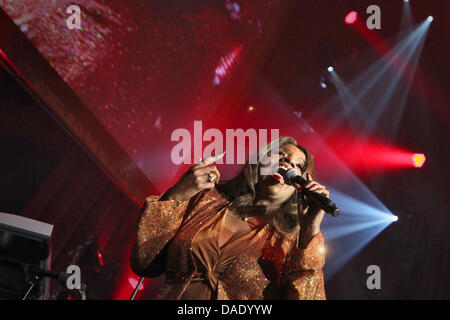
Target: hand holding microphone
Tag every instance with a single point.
(310, 220)
(293, 177)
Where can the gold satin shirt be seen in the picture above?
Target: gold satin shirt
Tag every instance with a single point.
(179, 238)
(211, 259)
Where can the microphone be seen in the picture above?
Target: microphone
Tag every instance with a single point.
(60, 276)
(292, 176)
(34, 271)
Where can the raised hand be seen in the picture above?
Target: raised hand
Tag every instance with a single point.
(199, 177)
(310, 219)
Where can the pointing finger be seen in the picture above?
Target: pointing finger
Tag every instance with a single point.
(213, 159)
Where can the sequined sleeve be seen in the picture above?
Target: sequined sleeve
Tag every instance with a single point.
(303, 273)
(156, 226)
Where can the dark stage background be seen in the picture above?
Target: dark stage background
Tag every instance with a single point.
(86, 118)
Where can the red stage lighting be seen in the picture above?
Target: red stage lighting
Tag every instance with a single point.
(368, 156)
(351, 17)
(133, 283)
(100, 258)
(223, 69)
(418, 160)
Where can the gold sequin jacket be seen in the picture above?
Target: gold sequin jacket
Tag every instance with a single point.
(274, 267)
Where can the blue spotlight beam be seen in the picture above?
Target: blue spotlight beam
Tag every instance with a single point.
(339, 253)
(354, 207)
(367, 98)
(409, 59)
(332, 232)
(359, 224)
(348, 101)
(413, 63)
(407, 21)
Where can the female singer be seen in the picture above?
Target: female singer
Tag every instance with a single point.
(253, 237)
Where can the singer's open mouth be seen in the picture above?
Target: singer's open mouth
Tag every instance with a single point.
(283, 167)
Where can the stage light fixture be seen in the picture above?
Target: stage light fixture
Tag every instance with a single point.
(418, 160)
(351, 17)
(330, 69)
(323, 83)
(430, 18)
(394, 218)
(100, 258)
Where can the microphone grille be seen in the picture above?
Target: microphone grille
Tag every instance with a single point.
(290, 174)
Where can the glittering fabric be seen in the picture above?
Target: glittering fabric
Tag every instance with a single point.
(157, 224)
(211, 259)
(272, 267)
(302, 270)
